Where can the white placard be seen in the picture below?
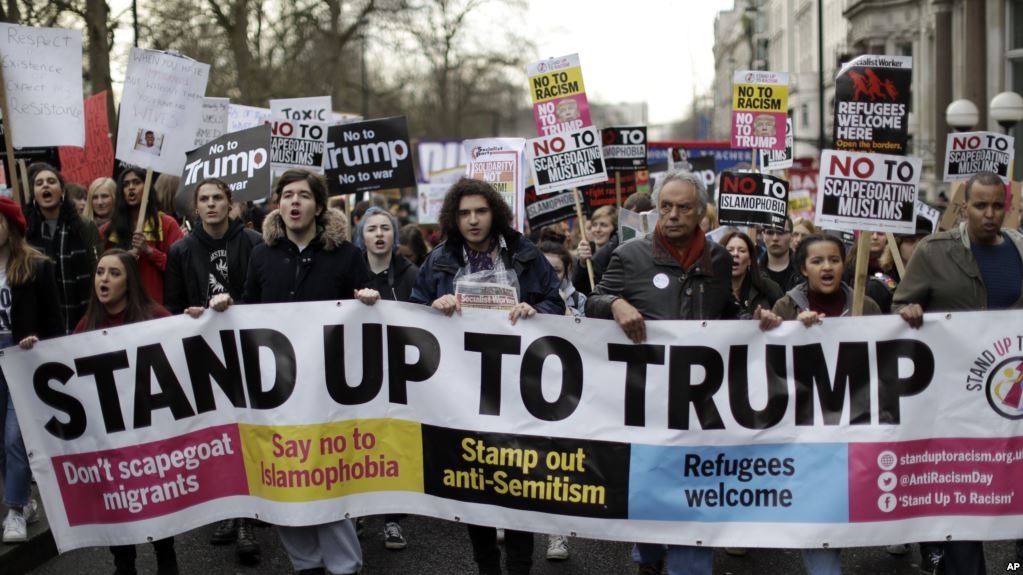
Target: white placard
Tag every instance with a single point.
(213, 123)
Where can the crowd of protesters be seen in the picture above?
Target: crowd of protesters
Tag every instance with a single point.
(77, 259)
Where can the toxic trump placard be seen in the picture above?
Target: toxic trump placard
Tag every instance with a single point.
(559, 96)
(368, 156)
(566, 161)
(752, 199)
(872, 104)
(869, 192)
(759, 107)
(970, 152)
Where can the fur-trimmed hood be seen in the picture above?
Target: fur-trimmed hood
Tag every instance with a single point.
(331, 228)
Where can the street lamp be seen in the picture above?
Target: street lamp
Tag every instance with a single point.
(1007, 109)
(962, 115)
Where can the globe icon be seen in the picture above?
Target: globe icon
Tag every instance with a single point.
(886, 460)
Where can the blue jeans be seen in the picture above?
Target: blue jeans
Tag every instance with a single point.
(822, 561)
(17, 475)
(680, 559)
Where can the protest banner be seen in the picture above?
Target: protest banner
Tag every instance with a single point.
(549, 209)
(658, 154)
(779, 159)
(161, 108)
(143, 431)
(752, 199)
(297, 145)
(312, 110)
(624, 148)
(96, 160)
(431, 199)
(559, 96)
(42, 85)
(439, 155)
(240, 159)
(803, 189)
(566, 161)
(759, 108)
(366, 156)
(499, 162)
(243, 117)
(872, 104)
(869, 192)
(611, 193)
(213, 122)
(967, 153)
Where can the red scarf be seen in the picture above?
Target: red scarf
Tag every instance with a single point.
(692, 252)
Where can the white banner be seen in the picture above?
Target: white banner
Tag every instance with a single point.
(161, 109)
(855, 432)
(43, 83)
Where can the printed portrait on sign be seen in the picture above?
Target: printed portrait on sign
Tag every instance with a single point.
(567, 110)
(764, 125)
(148, 141)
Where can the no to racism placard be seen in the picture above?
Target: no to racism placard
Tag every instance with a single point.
(869, 192)
(297, 145)
(752, 199)
(96, 160)
(213, 122)
(296, 414)
(366, 156)
(872, 104)
(161, 108)
(559, 96)
(566, 161)
(624, 148)
(760, 102)
(967, 153)
(499, 162)
(240, 159)
(43, 83)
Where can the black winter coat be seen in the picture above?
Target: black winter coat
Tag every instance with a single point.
(186, 280)
(34, 308)
(330, 267)
(397, 282)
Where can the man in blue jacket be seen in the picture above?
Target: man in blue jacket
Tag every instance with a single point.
(477, 225)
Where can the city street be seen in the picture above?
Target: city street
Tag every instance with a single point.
(442, 548)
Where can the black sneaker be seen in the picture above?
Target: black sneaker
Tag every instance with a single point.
(226, 532)
(248, 547)
(360, 527)
(393, 539)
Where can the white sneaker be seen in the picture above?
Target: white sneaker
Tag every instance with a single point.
(15, 530)
(557, 548)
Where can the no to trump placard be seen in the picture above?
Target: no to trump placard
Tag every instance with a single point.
(301, 413)
(872, 104)
(500, 162)
(43, 84)
(566, 161)
(366, 156)
(240, 159)
(559, 96)
(970, 152)
(869, 192)
(759, 108)
(752, 199)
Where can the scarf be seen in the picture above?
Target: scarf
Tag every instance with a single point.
(686, 258)
(480, 261)
(831, 305)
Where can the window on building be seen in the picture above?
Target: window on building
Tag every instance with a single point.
(804, 116)
(906, 49)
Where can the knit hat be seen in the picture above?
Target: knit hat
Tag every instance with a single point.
(12, 211)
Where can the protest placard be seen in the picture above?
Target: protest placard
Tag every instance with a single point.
(161, 108)
(96, 160)
(297, 145)
(559, 96)
(186, 440)
(499, 161)
(928, 213)
(607, 194)
(752, 199)
(566, 161)
(759, 106)
(803, 189)
(779, 159)
(240, 159)
(242, 117)
(636, 224)
(213, 122)
(548, 209)
(872, 104)
(624, 148)
(967, 153)
(312, 110)
(42, 74)
(48, 154)
(438, 155)
(868, 192)
(431, 199)
(366, 156)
